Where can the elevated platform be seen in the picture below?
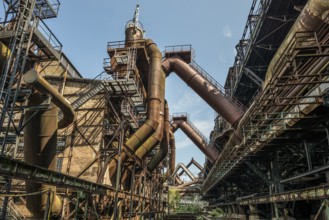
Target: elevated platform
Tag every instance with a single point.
(44, 8)
(184, 52)
(43, 38)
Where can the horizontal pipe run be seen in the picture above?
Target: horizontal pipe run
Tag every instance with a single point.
(311, 172)
(313, 15)
(35, 80)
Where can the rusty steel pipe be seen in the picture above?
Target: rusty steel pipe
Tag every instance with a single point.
(164, 145)
(35, 80)
(40, 138)
(149, 133)
(178, 180)
(204, 89)
(189, 174)
(196, 139)
(40, 143)
(190, 163)
(156, 97)
(197, 164)
(172, 159)
(136, 140)
(313, 15)
(189, 184)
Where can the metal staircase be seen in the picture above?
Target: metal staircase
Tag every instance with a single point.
(13, 212)
(12, 71)
(95, 88)
(85, 94)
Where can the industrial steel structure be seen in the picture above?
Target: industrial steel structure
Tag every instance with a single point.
(104, 148)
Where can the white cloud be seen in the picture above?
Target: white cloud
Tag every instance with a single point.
(227, 31)
(187, 101)
(184, 143)
(222, 58)
(205, 126)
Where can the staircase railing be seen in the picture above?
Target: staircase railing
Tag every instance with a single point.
(216, 85)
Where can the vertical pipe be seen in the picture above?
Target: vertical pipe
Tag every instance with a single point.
(155, 105)
(172, 145)
(308, 155)
(46, 214)
(156, 94)
(164, 146)
(117, 183)
(132, 191)
(40, 139)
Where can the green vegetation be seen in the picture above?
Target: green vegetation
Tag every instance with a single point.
(174, 199)
(189, 208)
(217, 212)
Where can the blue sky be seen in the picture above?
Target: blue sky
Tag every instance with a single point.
(212, 27)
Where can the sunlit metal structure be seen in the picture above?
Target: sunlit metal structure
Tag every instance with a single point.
(73, 147)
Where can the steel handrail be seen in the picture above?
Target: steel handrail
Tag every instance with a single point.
(216, 85)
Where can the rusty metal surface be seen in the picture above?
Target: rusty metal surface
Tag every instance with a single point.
(164, 145)
(195, 138)
(39, 83)
(172, 159)
(40, 139)
(235, 150)
(156, 100)
(204, 89)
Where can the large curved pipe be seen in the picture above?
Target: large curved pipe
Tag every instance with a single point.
(35, 80)
(40, 138)
(40, 143)
(149, 133)
(164, 146)
(195, 138)
(189, 174)
(204, 89)
(156, 93)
